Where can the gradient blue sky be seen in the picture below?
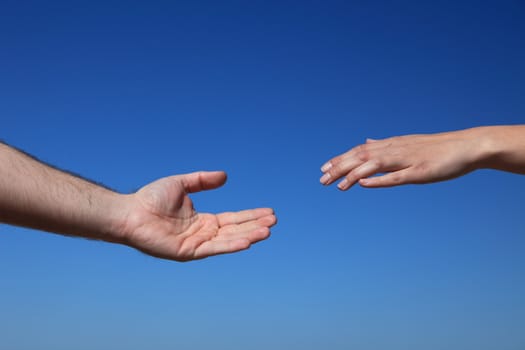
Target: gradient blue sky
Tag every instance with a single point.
(124, 92)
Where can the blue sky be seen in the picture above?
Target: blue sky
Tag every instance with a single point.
(124, 92)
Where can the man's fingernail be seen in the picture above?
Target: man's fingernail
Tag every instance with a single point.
(325, 178)
(343, 185)
(326, 167)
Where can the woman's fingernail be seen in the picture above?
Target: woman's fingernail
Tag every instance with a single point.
(343, 184)
(325, 178)
(326, 167)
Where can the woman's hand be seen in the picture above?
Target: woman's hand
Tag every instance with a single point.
(412, 159)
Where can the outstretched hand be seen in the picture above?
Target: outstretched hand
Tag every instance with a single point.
(162, 221)
(412, 159)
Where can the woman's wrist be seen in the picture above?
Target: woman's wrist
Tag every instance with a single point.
(485, 147)
(499, 147)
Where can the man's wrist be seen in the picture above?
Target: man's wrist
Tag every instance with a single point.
(117, 212)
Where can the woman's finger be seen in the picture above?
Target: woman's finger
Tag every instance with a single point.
(365, 170)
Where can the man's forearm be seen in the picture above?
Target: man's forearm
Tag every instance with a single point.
(38, 196)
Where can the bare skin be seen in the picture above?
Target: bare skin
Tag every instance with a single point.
(420, 159)
(162, 222)
(159, 219)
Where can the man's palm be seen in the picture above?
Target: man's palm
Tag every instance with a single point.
(162, 221)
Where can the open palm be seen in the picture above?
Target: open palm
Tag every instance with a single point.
(162, 221)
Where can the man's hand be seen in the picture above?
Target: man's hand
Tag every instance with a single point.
(162, 222)
(159, 219)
